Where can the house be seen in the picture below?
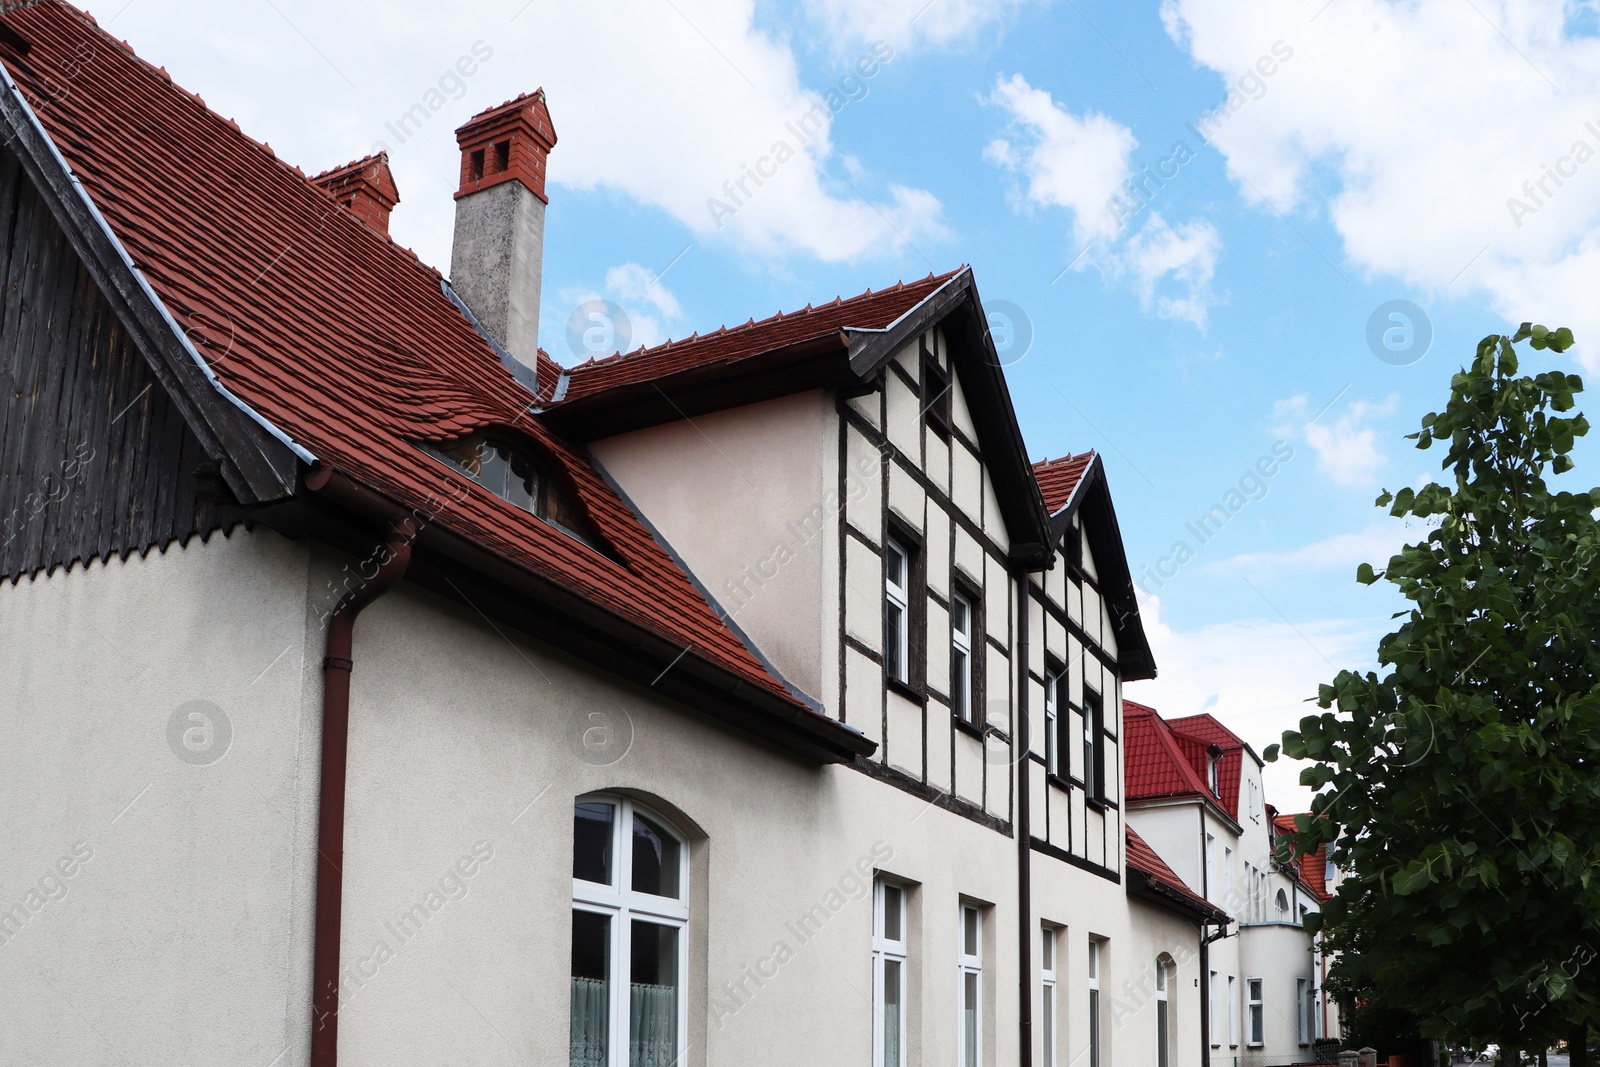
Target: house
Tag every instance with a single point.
(379, 690)
(1321, 876)
(1194, 791)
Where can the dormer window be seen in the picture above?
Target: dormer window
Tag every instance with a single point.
(512, 473)
(1215, 782)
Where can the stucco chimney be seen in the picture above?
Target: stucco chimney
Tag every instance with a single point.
(366, 187)
(497, 257)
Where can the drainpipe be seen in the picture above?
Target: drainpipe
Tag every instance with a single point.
(393, 559)
(1024, 830)
(1205, 987)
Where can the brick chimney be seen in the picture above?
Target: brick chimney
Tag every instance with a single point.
(497, 256)
(366, 187)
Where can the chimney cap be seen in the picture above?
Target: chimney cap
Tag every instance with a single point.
(365, 186)
(508, 142)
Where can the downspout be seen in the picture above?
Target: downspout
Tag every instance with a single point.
(1205, 987)
(1024, 830)
(393, 559)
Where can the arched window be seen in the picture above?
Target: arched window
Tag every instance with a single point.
(1163, 1015)
(512, 472)
(1283, 906)
(630, 903)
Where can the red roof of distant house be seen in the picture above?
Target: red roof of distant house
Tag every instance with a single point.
(1058, 478)
(1169, 757)
(1312, 870)
(331, 331)
(868, 311)
(1141, 857)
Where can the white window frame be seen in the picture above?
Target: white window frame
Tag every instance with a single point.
(969, 964)
(1163, 1017)
(1233, 1011)
(1052, 724)
(961, 702)
(1049, 1017)
(1228, 900)
(1094, 765)
(1212, 773)
(1213, 1006)
(622, 904)
(1256, 1012)
(1302, 1000)
(1255, 811)
(1212, 887)
(1095, 1051)
(897, 597)
(1280, 907)
(887, 950)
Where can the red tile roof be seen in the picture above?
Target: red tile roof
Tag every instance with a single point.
(1196, 734)
(1144, 859)
(1154, 763)
(868, 311)
(1312, 870)
(1059, 477)
(331, 331)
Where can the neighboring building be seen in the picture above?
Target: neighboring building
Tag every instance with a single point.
(1321, 877)
(1195, 793)
(749, 698)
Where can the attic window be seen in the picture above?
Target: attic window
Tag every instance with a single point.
(512, 473)
(502, 156)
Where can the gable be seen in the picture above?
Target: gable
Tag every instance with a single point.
(97, 460)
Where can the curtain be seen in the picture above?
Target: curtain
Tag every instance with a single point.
(589, 1022)
(653, 1026)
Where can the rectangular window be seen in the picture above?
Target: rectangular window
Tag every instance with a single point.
(1257, 1013)
(1047, 999)
(1214, 1008)
(969, 1043)
(896, 612)
(1213, 884)
(961, 699)
(1094, 757)
(1054, 680)
(1233, 1012)
(1254, 809)
(1163, 1025)
(1302, 1001)
(1094, 1003)
(1228, 900)
(936, 396)
(889, 975)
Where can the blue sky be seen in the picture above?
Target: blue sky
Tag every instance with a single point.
(1368, 152)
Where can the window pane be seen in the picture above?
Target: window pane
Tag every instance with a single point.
(591, 989)
(969, 1019)
(1047, 956)
(894, 563)
(893, 627)
(522, 483)
(1047, 1030)
(653, 996)
(893, 907)
(892, 983)
(1161, 1033)
(958, 615)
(656, 859)
(591, 842)
(960, 701)
(1094, 1028)
(969, 935)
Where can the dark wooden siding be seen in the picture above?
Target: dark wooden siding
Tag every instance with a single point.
(94, 458)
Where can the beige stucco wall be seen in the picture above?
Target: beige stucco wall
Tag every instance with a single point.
(741, 496)
(183, 933)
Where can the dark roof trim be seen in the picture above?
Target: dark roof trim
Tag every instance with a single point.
(813, 363)
(1091, 499)
(338, 510)
(988, 398)
(1147, 887)
(259, 462)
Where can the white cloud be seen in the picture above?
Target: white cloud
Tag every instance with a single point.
(1186, 255)
(1340, 552)
(649, 310)
(1078, 163)
(662, 103)
(630, 281)
(1066, 161)
(1451, 112)
(1255, 676)
(904, 22)
(1346, 445)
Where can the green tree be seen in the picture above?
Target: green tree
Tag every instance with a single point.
(1459, 790)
